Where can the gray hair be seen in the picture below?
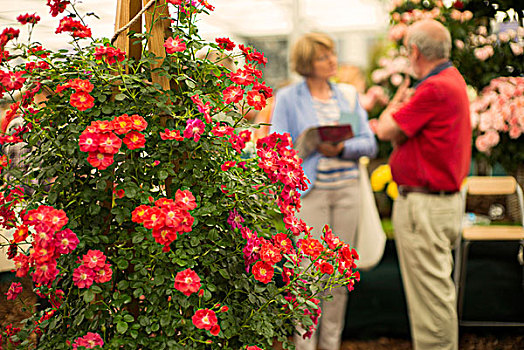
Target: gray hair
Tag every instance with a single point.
(432, 44)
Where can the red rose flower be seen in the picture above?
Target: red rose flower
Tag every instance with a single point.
(100, 160)
(94, 259)
(270, 254)
(20, 234)
(326, 268)
(138, 122)
(256, 100)
(135, 140)
(83, 277)
(171, 135)
(175, 44)
(225, 43)
(185, 198)
(312, 247)
(82, 101)
(263, 271)
(187, 281)
(215, 330)
(109, 143)
(88, 141)
(233, 94)
(27, 18)
(164, 235)
(139, 214)
(104, 274)
(204, 319)
(14, 290)
(122, 124)
(228, 165)
(81, 85)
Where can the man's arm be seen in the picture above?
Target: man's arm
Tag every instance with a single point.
(387, 128)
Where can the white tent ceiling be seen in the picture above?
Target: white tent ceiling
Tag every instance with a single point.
(236, 18)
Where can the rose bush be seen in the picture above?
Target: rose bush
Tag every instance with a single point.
(136, 211)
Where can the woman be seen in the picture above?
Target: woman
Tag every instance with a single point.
(333, 195)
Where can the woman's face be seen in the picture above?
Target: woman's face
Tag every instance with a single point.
(325, 64)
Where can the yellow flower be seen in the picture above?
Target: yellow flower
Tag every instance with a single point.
(380, 177)
(392, 190)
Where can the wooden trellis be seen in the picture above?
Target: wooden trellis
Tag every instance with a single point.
(129, 19)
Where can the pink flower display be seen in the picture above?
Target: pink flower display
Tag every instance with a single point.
(498, 109)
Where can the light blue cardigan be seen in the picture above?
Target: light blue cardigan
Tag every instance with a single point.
(294, 113)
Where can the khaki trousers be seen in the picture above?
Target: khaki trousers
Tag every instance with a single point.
(338, 208)
(426, 228)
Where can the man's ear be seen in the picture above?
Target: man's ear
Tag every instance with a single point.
(416, 51)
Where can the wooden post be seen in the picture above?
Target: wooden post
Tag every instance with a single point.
(157, 23)
(125, 11)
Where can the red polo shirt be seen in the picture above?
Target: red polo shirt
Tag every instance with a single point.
(436, 120)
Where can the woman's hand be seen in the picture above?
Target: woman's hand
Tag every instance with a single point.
(329, 149)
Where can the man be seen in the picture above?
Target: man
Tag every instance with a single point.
(431, 133)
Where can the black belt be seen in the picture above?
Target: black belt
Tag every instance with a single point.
(404, 190)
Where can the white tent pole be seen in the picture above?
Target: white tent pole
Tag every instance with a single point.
(297, 29)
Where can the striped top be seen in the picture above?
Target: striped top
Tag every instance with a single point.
(332, 172)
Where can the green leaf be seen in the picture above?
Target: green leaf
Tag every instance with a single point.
(94, 208)
(78, 319)
(101, 185)
(133, 333)
(122, 264)
(311, 304)
(88, 314)
(137, 238)
(138, 292)
(123, 285)
(144, 321)
(165, 320)
(96, 289)
(89, 296)
(51, 199)
(107, 109)
(129, 318)
(121, 327)
(130, 189)
(162, 175)
(120, 97)
(159, 280)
